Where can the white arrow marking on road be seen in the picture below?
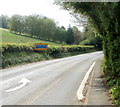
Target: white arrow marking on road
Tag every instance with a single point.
(24, 81)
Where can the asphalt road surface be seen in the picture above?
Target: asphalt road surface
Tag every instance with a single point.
(53, 82)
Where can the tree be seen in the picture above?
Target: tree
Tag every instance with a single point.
(31, 25)
(105, 18)
(17, 23)
(62, 27)
(4, 21)
(49, 28)
(38, 26)
(92, 38)
(78, 36)
(70, 36)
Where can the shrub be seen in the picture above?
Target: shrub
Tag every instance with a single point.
(13, 54)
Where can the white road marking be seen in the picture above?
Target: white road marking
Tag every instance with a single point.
(24, 81)
(82, 85)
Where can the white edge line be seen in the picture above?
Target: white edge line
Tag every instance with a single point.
(82, 85)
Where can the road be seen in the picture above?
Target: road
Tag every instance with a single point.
(53, 82)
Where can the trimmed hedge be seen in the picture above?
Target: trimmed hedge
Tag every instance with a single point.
(68, 48)
(14, 47)
(111, 68)
(14, 54)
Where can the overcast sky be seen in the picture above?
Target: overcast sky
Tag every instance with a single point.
(42, 7)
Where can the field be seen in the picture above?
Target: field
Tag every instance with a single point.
(8, 37)
(19, 49)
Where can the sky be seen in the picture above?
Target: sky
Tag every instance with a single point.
(42, 7)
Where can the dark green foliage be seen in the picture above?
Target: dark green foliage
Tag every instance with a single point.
(4, 21)
(115, 91)
(70, 36)
(37, 26)
(13, 54)
(61, 35)
(92, 37)
(40, 27)
(105, 18)
(44, 28)
(14, 47)
(16, 23)
(16, 58)
(96, 42)
(78, 35)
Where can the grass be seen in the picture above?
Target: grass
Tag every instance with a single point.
(8, 37)
(18, 49)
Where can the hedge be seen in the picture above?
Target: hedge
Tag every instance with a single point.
(14, 47)
(13, 53)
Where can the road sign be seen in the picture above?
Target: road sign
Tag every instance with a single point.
(40, 46)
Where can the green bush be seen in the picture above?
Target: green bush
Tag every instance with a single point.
(113, 82)
(115, 90)
(14, 47)
(85, 42)
(14, 54)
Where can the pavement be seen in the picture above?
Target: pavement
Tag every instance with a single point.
(96, 93)
(52, 82)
